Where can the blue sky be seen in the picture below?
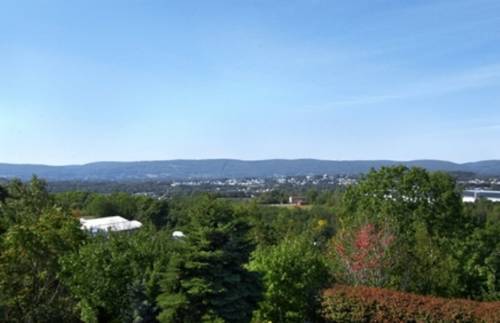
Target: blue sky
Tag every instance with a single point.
(84, 81)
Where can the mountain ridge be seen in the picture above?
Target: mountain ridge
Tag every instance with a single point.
(224, 168)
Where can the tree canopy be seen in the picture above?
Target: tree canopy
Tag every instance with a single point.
(206, 279)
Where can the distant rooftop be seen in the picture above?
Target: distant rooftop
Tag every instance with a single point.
(470, 196)
(110, 223)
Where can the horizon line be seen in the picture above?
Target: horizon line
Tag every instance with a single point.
(244, 160)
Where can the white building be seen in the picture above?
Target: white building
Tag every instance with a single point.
(109, 223)
(471, 196)
(178, 235)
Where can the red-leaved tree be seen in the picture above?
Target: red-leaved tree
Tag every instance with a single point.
(362, 255)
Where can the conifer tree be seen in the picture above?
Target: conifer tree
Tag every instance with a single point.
(206, 279)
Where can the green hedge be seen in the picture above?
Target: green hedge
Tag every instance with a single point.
(367, 304)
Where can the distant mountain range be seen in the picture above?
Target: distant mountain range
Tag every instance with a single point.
(227, 168)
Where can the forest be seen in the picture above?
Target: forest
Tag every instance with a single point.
(400, 245)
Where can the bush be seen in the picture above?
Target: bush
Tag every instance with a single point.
(367, 304)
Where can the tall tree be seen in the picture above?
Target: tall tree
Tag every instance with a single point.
(401, 196)
(424, 212)
(206, 279)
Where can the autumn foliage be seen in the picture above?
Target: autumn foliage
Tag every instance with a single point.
(362, 254)
(367, 304)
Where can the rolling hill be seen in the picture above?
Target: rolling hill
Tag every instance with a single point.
(227, 168)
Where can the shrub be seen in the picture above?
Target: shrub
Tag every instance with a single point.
(368, 304)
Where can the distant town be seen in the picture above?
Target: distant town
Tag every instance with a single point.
(250, 187)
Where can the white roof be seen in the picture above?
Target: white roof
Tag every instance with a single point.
(178, 234)
(468, 199)
(483, 191)
(493, 196)
(109, 223)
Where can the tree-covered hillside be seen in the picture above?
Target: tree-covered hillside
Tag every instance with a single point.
(228, 168)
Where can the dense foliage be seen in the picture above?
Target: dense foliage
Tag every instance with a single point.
(116, 277)
(293, 273)
(435, 245)
(36, 235)
(241, 260)
(29, 268)
(206, 279)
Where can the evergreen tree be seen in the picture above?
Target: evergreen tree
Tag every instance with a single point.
(206, 279)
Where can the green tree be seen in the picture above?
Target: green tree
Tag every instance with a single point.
(73, 200)
(206, 279)
(424, 212)
(3, 194)
(115, 277)
(100, 206)
(312, 196)
(31, 289)
(293, 272)
(99, 276)
(275, 196)
(436, 266)
(24, 203)
(402, 195)
(156, 212)
(481, 253)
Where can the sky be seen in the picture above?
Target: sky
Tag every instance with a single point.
(94, 80)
